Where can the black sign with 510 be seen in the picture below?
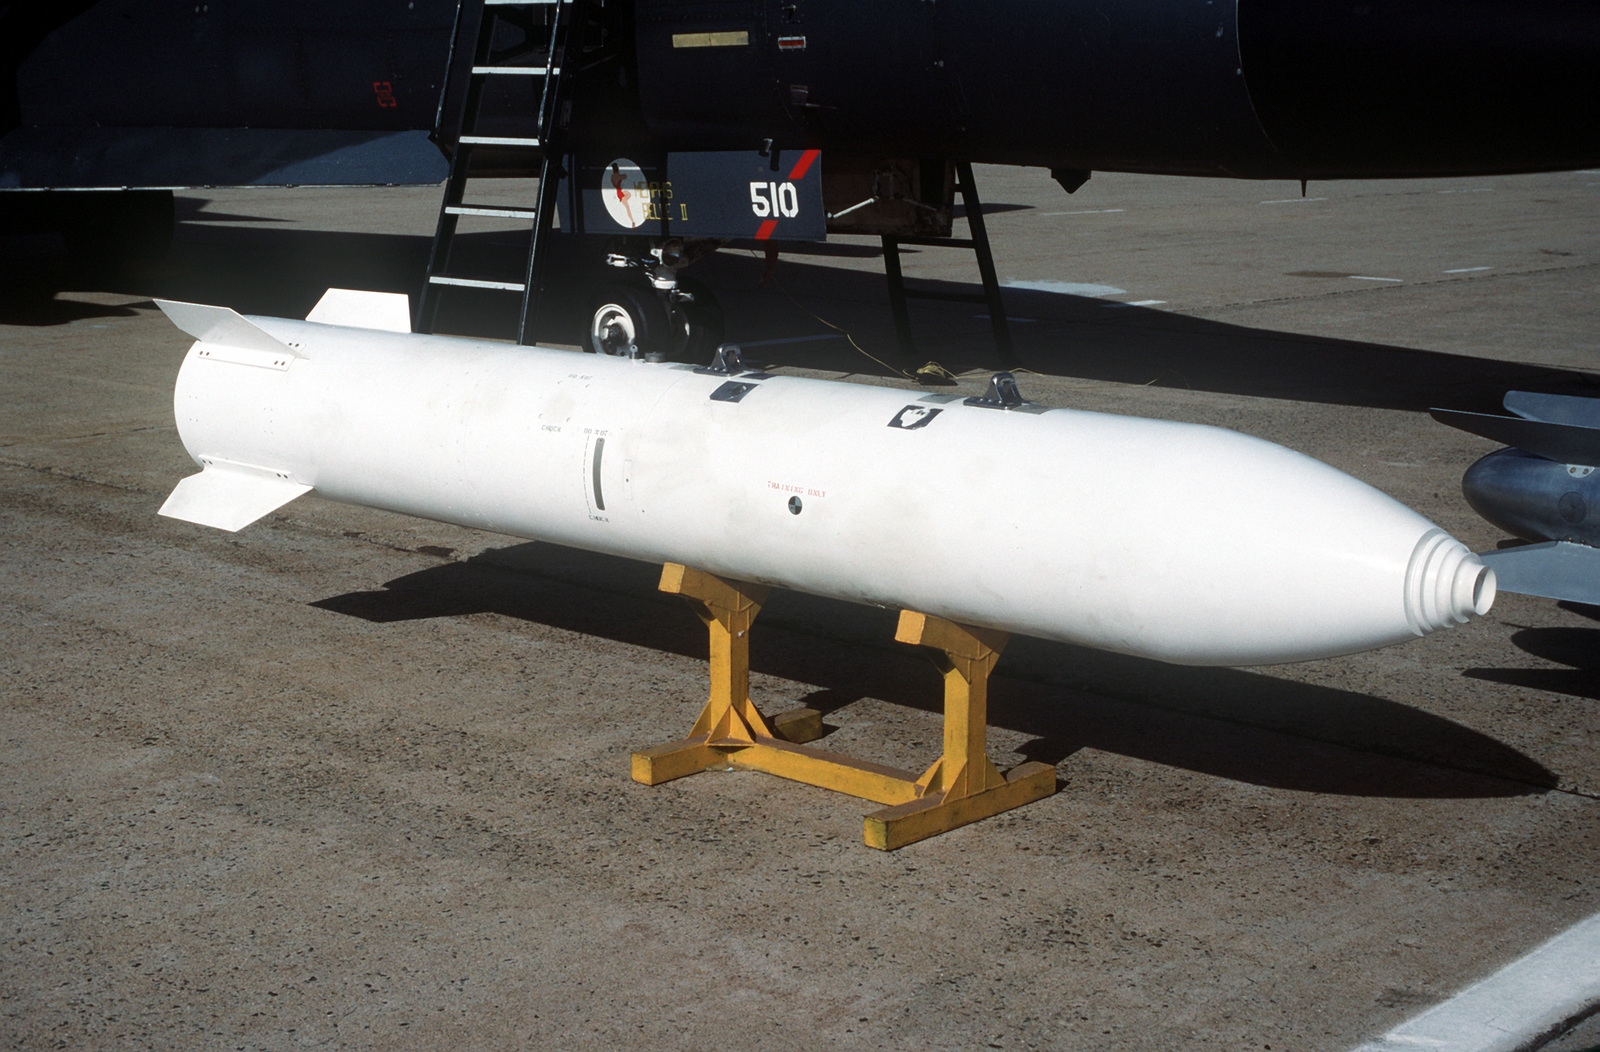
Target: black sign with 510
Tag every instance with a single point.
(722, 194)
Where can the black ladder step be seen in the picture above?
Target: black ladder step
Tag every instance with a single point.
(499, 140)
(938, 242)
(477, 283)
(523, 71)
(503, 211)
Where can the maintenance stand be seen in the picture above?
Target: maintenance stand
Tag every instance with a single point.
(961, 787)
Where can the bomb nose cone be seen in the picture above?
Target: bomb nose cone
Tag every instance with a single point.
(1445, 584)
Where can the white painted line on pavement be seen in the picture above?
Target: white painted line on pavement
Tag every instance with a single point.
(1069, 288)
(1515, 1009)
(1294, 200)
(1086, 212)
(1363, 277)
(1467, 270)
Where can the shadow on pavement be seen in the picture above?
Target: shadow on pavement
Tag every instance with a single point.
(282, 271)
(1578, 648)
(1230, 723)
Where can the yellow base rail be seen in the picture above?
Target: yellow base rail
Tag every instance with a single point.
(961, 787)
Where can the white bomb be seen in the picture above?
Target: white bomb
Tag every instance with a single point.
(1179, 542)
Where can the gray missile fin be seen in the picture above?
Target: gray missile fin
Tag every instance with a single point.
(1552, 570)
(223, 327)
(1562, 443)
(386, 311)
(230, 496)
(1554, 409)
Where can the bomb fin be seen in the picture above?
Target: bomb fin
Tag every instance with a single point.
(1551, 570)
(385, 311)
(223, 327)
(1563, 443)
(230, 496)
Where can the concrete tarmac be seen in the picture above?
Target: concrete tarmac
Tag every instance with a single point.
(347, 779)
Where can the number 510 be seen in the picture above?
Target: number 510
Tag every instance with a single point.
(774, 199)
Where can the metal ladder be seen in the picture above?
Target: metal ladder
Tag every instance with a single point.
(554, 31)
(979, 243)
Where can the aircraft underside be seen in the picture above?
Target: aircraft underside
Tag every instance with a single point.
(1254, 89)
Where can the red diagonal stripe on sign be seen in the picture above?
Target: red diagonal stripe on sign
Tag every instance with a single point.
(766, 229)
(803, 165)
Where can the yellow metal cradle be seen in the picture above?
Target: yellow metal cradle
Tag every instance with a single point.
(961, 787)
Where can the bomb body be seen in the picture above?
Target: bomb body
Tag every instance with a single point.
(1179, 542)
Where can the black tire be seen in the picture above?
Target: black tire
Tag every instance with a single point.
(702, 317)
(623, 315)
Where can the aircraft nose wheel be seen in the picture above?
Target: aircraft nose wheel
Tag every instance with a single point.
(684, 325)
(701, 321)
(627, 322)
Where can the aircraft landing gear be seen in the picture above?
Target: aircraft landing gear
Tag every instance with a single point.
(702, 320)
(664, 318)
(626, 321)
